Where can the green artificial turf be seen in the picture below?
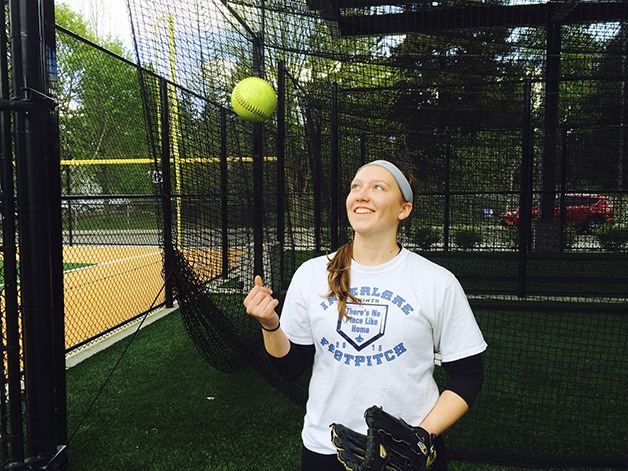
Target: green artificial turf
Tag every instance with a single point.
(165, 408)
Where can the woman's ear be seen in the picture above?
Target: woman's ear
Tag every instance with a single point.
(406, 209)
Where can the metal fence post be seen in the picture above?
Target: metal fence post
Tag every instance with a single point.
(166, 190)
(12, 369)
(258, 173)
(335, 169)
(224, 194)
(39, 194)
(525, 190)
(281, 162)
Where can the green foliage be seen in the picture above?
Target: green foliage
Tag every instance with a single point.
(68, 18)
(570, 236)
(108, 220)
(622, 220)
(612, 237)
(510, 235)
(467, 237)
(100, 112)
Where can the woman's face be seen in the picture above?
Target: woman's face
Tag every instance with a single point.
(374, 204)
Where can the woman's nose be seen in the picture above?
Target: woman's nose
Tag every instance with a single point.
(361, 194)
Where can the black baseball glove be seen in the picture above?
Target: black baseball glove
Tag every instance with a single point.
(389, 445)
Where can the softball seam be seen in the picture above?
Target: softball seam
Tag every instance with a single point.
(249, 107)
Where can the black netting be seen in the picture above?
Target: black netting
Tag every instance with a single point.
(513, 117)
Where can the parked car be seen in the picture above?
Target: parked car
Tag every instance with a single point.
(585, 211)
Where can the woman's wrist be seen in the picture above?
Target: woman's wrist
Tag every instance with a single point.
(271, 329)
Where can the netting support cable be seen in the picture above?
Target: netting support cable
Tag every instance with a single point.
(235, 14)
(119, 360)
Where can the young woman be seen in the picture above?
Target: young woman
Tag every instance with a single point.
(373, 315)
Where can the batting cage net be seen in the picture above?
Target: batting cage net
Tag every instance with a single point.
(512, 115)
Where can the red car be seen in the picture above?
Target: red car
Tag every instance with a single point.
(585, 211)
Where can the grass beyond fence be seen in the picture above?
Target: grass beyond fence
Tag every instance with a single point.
(165, 408)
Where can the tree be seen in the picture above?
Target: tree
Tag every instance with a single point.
(100, 112)
(454, 88)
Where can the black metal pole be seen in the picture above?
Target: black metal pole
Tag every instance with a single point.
(258, 199)
(552, 83)
(623, 152)
(525, 189)
(281, 161)
(335, 169)
(447, 215)
(35, 157)
(316, 168)
(11, 311)
(258, 175)
(36, 288)
(564, 159)
(224, 193)
(56, 223)
(166, 190)
(68, 191)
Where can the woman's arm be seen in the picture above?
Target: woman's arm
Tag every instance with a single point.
(465, 382)
(295, 363)
(449, 408)
(290, 359)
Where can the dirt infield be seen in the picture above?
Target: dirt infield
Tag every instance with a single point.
(120, 283)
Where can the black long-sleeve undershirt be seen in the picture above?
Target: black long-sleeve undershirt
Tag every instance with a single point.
(294, 364)
(466, 375)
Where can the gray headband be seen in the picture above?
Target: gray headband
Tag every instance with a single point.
(402, 181)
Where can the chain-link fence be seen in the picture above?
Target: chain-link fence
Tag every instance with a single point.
(522, 167)
(110, 206)
(512, 116)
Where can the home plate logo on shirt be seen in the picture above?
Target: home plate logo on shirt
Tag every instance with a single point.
(364, 324)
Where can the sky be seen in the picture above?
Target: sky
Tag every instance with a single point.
(111, 17)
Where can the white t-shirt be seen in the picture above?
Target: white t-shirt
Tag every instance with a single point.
(384, 354)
